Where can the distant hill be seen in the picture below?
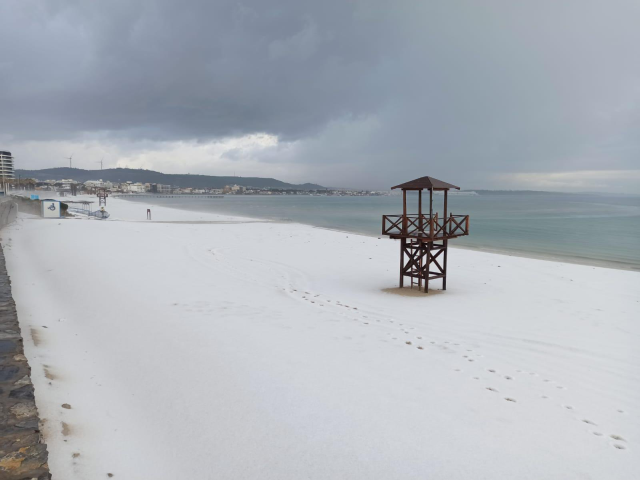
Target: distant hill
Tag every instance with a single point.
(119, 175)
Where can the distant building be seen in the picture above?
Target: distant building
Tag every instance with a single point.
(98, 184)
(158, 188)
(235, 189)
(6, 166)
(65, 185)
(131, 187)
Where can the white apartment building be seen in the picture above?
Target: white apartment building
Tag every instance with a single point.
(6, 166)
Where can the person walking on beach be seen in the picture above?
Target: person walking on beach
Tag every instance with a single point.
(148, 214)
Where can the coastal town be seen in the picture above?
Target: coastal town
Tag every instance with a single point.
(73, 187)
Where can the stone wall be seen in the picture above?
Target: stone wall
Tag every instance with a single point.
(23, 456)
(8, 211)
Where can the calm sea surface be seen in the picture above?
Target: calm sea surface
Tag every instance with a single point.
(591, 229)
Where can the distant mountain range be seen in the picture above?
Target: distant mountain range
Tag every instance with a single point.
(119, 175)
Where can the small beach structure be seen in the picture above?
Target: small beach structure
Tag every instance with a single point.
(424, 237)
(102, 196)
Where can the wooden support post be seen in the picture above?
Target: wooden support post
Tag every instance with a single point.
(444, 264)
(420, 267)
(444, 217)
(404, 212)
(420, 212)
(430, 213)
(403, 243)
(426, 277)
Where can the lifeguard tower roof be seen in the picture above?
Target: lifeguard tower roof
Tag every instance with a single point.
(428, 183)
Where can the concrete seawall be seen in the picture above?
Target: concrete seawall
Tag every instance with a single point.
(8, 211)
(22, 454)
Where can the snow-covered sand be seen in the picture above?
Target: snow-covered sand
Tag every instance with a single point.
(271, 351)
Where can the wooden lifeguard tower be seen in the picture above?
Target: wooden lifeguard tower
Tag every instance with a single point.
(424, 238)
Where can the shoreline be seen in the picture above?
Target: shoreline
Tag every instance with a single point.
(570, 259)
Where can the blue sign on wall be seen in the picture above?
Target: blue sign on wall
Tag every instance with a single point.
(35, 197)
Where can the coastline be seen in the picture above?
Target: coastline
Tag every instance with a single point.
(206, 343)
(560, 258)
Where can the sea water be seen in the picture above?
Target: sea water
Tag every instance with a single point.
(584, 228)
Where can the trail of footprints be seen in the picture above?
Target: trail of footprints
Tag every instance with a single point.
(420, 342)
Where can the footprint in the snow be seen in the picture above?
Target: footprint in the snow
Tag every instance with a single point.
(619, 447)
(508, 377)
(510, 399)
(491, 370)
(568, 407)
(589, 422)
(617, 437)
(491, 389)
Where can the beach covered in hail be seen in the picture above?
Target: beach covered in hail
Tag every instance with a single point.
(199, 345)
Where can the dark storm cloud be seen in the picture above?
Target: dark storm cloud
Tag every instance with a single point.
(375, 91)
(184, 69)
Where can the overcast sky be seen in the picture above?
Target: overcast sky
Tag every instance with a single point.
(484, 94)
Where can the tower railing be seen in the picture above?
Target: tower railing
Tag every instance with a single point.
(425, 226)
